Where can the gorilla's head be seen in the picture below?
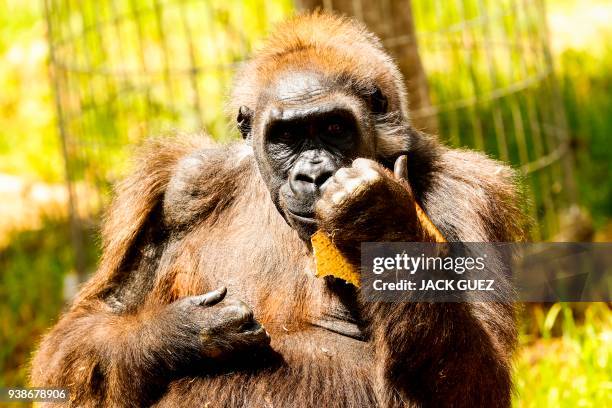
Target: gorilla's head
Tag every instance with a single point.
(309, 107)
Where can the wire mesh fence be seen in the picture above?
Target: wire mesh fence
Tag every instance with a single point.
(126, 69)
(493, 88)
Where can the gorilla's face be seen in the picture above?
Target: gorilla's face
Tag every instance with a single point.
(305, 128)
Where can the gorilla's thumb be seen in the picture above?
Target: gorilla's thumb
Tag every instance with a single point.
(213, 297)
(400, 168)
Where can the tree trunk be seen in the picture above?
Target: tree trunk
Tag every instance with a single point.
(393, 22)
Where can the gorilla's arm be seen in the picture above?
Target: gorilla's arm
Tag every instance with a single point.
(103, 357)
(118, 342)
(433, 353)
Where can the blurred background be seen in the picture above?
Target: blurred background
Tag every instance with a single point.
(82, 82)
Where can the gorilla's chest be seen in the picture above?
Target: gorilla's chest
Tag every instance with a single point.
(315, 367)
(319, 358)
(274, 272)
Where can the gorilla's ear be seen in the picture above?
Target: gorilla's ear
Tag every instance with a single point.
(245, 116)
(378, 102)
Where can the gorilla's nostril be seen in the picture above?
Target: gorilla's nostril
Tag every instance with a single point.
(322, 178)
(302, 184)
(304, 177)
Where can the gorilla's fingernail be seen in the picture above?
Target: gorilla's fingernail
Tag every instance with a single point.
(214, 297)
(400, 169)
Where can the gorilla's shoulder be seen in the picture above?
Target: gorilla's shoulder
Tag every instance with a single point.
(207, 180)
(211, 165)
(480, 197)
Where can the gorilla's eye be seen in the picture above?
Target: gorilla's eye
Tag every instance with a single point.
(335, 128)
(282, 134)
(285, 136)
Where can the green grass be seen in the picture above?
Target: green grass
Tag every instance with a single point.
(32, 271)
(566, 361)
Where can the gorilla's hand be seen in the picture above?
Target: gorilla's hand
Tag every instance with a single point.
(366, 202)
(205, 327)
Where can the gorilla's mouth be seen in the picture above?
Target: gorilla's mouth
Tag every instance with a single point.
(304, 223)
(298, 212)
(305, 217)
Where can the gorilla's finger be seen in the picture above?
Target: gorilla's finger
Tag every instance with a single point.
(338, 196)
(353, 184)
(323, 209)
(346, 173)
(259, 336)
(213, 297)
(400, 169)
(362, 163)
(331, 185)
(235, 313)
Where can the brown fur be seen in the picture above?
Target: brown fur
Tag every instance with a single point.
(194, 216)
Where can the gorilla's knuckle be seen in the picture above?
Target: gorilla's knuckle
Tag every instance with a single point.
(260, 335)
(371, 175)
(353, 184)
(342, 173)
(239, 311)
(363, 163)
(338, 196)
(323, 208)
(331, 188)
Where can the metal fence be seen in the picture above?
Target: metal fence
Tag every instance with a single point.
(125, 69)
(493, 88)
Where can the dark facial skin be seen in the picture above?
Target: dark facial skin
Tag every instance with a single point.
(305, 129)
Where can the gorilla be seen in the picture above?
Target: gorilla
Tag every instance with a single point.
(205, 294)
